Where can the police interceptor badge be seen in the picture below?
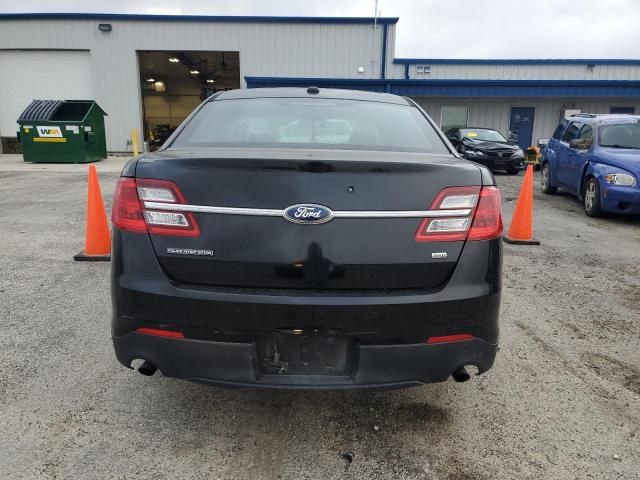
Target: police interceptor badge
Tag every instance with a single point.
(190, 251)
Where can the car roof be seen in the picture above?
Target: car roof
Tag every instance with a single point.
(292, 92)
(603, 117)
(478, 128)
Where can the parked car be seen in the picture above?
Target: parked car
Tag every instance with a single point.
(488, 147)
(252, 251)
(597, 159)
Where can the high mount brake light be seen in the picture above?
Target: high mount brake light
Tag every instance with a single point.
(480, 216)
(129, 214)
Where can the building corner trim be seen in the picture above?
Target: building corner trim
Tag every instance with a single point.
(383, 60)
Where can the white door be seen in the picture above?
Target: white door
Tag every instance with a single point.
(27, 75)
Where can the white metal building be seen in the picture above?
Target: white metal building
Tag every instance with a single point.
(140, 70)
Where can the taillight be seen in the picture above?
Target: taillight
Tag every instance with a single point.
(129, 212)
(126, 213)
(159, 222)
(471, 213)
(487, 220)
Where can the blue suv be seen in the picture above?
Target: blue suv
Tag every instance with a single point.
(597, 159)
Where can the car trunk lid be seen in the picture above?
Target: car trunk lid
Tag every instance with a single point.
(260, 248)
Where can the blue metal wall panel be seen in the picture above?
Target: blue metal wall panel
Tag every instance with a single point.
(466, 88)
(517, 61)
(196, 18)
(345, 83)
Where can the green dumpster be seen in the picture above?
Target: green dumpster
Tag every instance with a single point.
(62, 131)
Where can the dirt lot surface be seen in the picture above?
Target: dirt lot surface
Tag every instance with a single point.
(563, 400)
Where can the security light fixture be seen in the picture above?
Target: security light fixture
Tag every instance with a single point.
(194, 72)
(105, 27)
(174, 60)
(151, 79)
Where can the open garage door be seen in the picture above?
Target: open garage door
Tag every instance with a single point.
(174, 83)
(26, 75)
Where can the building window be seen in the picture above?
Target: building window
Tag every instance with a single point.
(452, 117)
(629, 110)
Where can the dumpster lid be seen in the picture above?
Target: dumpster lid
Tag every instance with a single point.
(58, 110)
(40, 110)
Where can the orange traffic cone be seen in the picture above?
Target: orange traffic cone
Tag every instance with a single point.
(521, 229)
(97, 244)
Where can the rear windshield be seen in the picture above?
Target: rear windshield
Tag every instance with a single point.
(310, 123)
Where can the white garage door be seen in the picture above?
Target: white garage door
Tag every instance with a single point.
(43, 75)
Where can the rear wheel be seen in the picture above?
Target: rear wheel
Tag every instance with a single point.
(591, 198)
(513, 171)
(545, 180)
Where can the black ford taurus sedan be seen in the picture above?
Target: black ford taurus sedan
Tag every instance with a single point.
(306, 238)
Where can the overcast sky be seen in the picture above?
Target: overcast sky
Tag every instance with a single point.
(432, 28)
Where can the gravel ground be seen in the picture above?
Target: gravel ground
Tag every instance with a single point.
(562, 401)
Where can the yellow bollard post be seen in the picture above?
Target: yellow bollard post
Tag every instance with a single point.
(134, 141)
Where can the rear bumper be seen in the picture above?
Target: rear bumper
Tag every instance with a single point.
(235, 364)
(222, 325)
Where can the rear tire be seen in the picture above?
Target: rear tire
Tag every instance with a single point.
(545, 180)
(591, 198)
(513, 171)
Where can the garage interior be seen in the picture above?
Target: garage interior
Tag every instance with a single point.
(174, 83)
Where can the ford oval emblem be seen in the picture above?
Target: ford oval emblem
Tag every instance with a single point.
(308, 214)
